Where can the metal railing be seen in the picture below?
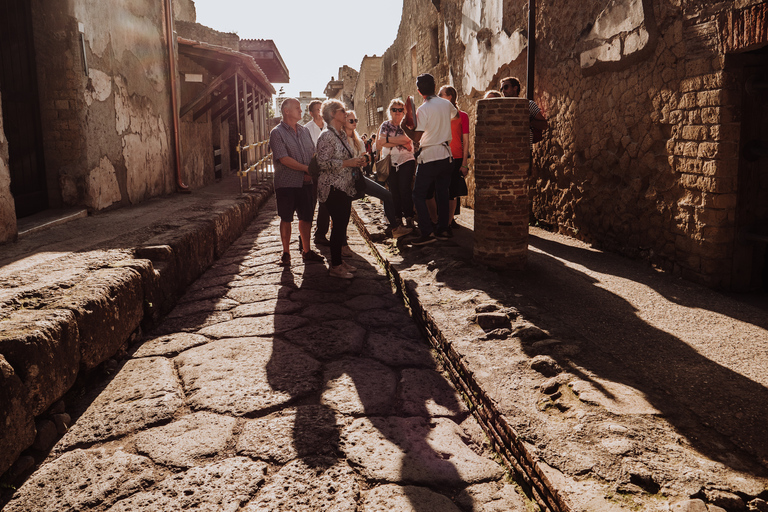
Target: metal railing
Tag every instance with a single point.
(262, 167)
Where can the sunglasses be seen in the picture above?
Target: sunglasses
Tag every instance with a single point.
(397, 109)
(508, 86)
(352, 121)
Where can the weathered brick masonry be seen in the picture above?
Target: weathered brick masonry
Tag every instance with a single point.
(649, 118)
(501, 177)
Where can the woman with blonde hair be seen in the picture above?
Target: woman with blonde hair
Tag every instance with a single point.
(392, 140)
(336, 184)
(371, 187)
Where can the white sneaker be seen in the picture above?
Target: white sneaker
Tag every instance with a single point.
(401, 231)
(348, 267)
(340, 271)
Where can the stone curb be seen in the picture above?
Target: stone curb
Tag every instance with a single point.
(505, 441)
(43, 350)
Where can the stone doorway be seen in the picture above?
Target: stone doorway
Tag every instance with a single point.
(21, 108)
(751, 251)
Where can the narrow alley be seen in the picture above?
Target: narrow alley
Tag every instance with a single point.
(271, 388)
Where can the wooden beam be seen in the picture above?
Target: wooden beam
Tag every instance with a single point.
(226, 75)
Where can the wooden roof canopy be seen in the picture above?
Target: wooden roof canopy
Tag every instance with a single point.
(229, 67)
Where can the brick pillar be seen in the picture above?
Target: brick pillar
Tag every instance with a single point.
(502, 147)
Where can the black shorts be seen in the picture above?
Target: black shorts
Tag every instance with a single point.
(299, 200)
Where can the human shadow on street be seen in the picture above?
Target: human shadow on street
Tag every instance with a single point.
(705, 401)
(675, 290)
(368, 348)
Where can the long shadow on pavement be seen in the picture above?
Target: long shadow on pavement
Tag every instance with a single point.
(704, 400)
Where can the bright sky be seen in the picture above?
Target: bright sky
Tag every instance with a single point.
(315, 39)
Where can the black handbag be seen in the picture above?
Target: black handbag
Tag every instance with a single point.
(357, 174)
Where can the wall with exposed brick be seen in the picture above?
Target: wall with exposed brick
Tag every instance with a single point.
(501, 175)
(644, 102)
(106, 118)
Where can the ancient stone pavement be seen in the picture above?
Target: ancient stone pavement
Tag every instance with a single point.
(275, 389)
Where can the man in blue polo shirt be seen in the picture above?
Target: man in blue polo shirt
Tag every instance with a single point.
(292, 150)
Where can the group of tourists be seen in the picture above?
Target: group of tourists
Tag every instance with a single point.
(322, 162)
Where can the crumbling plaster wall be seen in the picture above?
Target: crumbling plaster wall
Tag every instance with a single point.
(108, 132)
(641, 156)
(7, 208)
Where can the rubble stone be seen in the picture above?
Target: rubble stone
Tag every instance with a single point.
(243, 375)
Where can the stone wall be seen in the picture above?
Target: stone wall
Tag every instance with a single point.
(644, 103)
(7, 208)
(106, 119)
(364, 98)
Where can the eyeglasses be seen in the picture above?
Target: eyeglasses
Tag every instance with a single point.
(352, 121)
(508, 86)
(396, 109)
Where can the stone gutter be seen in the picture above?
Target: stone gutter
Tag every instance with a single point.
(512, 450)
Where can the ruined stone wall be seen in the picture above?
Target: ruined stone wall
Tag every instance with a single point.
(419, 48)
(107, 132)
(197, 32)
(365, 104)
(642, 153)
(7, 209)
(184, 10)
(348, 76)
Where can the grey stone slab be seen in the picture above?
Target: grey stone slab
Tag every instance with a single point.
(108, 307)
(415, 451)
(307, 430)
(365, 302)
(183, 442)
(170, 344)
(212, 293)
(394, 350)
(498, 496)
(144, 392)
(192, 323)
(268, 279)
(309, 484)
(384, 318)
(83, 480)
(375, 286)
(359, 386)
(249, 294)
(326, 312)
(43, 347)
(307, 296)
(254, 326)
(428, 393)
(242, 375)
(202, 307)
(266, 307)
(211, 280)
(222, 487)
(329, 339)
(18, 430)
(388, 498)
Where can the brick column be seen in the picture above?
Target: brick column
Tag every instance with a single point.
(502, 147)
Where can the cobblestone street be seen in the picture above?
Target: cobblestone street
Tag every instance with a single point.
(269, 388)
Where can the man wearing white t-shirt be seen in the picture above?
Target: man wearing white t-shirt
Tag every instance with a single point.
(433, 133)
